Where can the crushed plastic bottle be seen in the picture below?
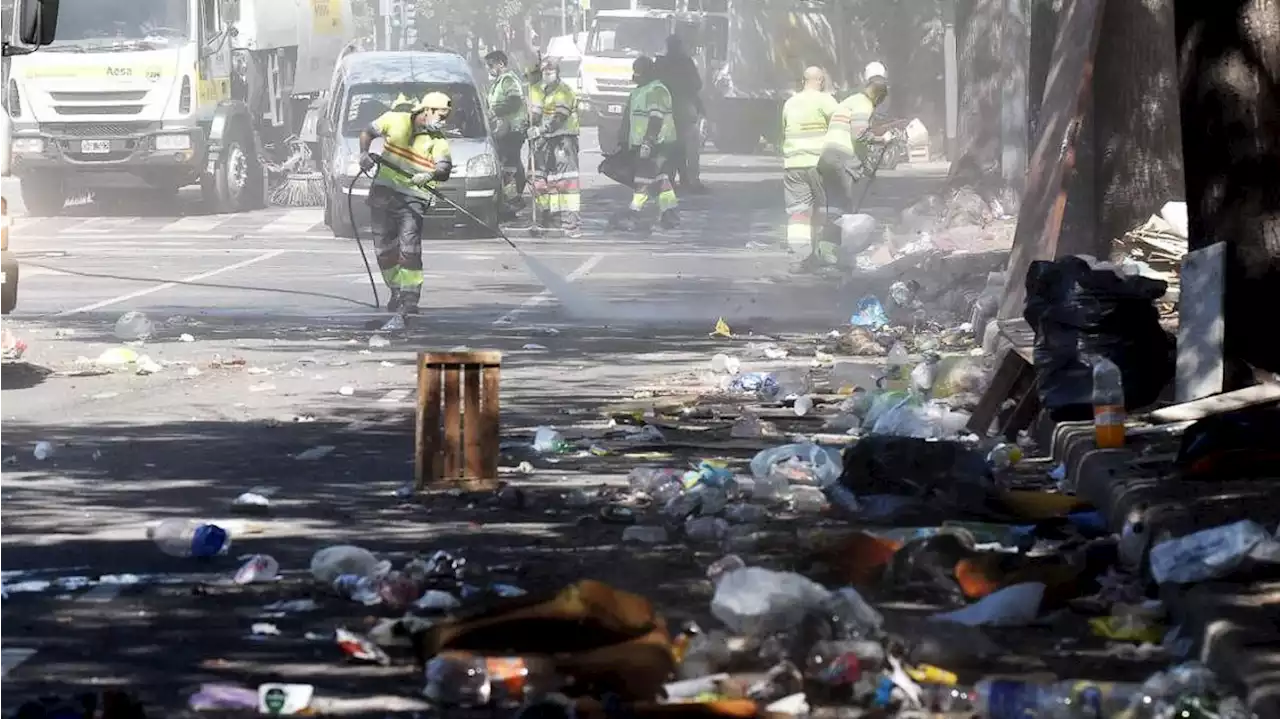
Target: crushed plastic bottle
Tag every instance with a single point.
(43, 450)
(803, 406)
(706, 529)
(645, 534)
(190, 538)
(332, 562)
(258, 568)
(134, 327)
(548, 441)
(852, 616)
(807, 500)
(1067, 699)
(755, 601)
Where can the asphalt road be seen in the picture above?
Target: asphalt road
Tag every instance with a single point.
(269, 382)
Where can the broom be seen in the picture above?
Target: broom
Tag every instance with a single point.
(300, 187)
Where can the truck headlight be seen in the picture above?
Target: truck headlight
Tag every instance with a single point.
(28, 144)
(482, 166)
(173, 142)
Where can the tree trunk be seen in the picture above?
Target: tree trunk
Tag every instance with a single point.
(1229, 59)
(978, 30)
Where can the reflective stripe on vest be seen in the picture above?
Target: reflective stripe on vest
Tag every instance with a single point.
(805, 119)
(652, 100)
(855, 110)
(406, 153)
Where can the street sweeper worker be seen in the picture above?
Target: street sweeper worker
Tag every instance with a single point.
(846, 155)
(805, 118)
(553, 135)
(415, 157)
(649, 130)
(510, 123)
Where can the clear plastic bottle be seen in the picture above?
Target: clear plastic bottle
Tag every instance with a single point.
(1108, 404)
(1066, 699)
(190, 538)
(134, 327)
(807, 500)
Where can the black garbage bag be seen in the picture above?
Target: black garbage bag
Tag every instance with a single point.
(949, 478)
(1233, 446)
(1072, 307)
(620, 167)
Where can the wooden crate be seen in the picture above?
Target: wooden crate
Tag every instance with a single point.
(456, 438)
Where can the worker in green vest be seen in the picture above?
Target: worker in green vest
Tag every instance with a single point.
(649, 131)
(415, 157)
(805, 119)
(553, 136)
(510, 123)
(846, 155)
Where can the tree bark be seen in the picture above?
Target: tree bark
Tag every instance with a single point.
(1229, 61)
(978, 29)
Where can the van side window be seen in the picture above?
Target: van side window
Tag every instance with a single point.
(335, 105)
(209, 20)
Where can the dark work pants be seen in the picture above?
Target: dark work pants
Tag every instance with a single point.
(397, 242)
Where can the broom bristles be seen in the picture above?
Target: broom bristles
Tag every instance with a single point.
(300, 190)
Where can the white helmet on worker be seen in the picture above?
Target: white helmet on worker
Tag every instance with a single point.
(875, 69)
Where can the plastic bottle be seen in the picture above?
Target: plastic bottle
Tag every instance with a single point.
(331, 562)
(548, 441)
(133, 327)
(1108, 404)
(1066, 699)
(190, 538)
(807, 500)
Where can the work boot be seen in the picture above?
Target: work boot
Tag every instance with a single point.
(397, 323)
(394, 302)
(669, 220)
(573, 233)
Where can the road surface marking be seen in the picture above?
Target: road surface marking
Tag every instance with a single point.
(196, 223)
(169, 285)
(293, 222)
(394, 396)
(315, 452)
(102, 593)
(545, 295)
(11, 659)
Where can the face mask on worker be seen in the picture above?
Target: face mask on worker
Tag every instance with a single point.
(431, 121)
(550, 77)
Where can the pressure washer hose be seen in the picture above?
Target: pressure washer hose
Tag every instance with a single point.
(439, 195)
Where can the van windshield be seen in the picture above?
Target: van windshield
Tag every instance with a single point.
(365, 103)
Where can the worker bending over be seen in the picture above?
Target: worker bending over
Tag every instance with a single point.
(846, 156)
(553, 137)
(510, 123)
(805, 119)
(415, 156)
(649, 129)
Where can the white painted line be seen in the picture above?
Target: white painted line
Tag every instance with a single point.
(197, 223)
(168, 285)
(315, 452)
(394, 396)
(11, 659)
(294, 221)
(102, 593)
(546, 295)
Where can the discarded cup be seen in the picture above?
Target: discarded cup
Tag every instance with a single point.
(43, 450)
(258, 568)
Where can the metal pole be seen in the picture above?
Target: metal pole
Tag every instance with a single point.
(564, 17)
(951, 80)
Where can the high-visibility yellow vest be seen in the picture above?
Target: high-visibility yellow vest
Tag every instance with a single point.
(405, 153)
(805, 118)
(507, 85)
(850, 120)
(545, 102)
(651, 100)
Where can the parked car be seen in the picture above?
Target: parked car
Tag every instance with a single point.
(9, 296)
(364, 86)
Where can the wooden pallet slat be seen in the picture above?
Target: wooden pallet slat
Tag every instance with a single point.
(457, 429)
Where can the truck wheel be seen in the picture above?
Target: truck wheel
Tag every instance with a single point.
(44, 195)
(9, 297)
(228, 189)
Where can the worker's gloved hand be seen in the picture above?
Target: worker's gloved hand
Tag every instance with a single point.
(367, 163)
(646, 150)
(422, 179)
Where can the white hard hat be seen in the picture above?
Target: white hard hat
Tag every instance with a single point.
(875, 69)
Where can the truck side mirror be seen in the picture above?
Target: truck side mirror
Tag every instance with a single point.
(37, 21)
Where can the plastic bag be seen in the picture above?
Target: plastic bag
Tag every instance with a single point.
(1073, 308)
(797, 462)
(1212, 553)
(620, 167)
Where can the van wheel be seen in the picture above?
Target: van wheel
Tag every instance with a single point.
(44, 195)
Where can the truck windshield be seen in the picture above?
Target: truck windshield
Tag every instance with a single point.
(366, 103)
(101, 24)
(628, 37)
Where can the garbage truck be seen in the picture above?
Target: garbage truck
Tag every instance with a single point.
(155, 95)
(619, 31)
(29, 24)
